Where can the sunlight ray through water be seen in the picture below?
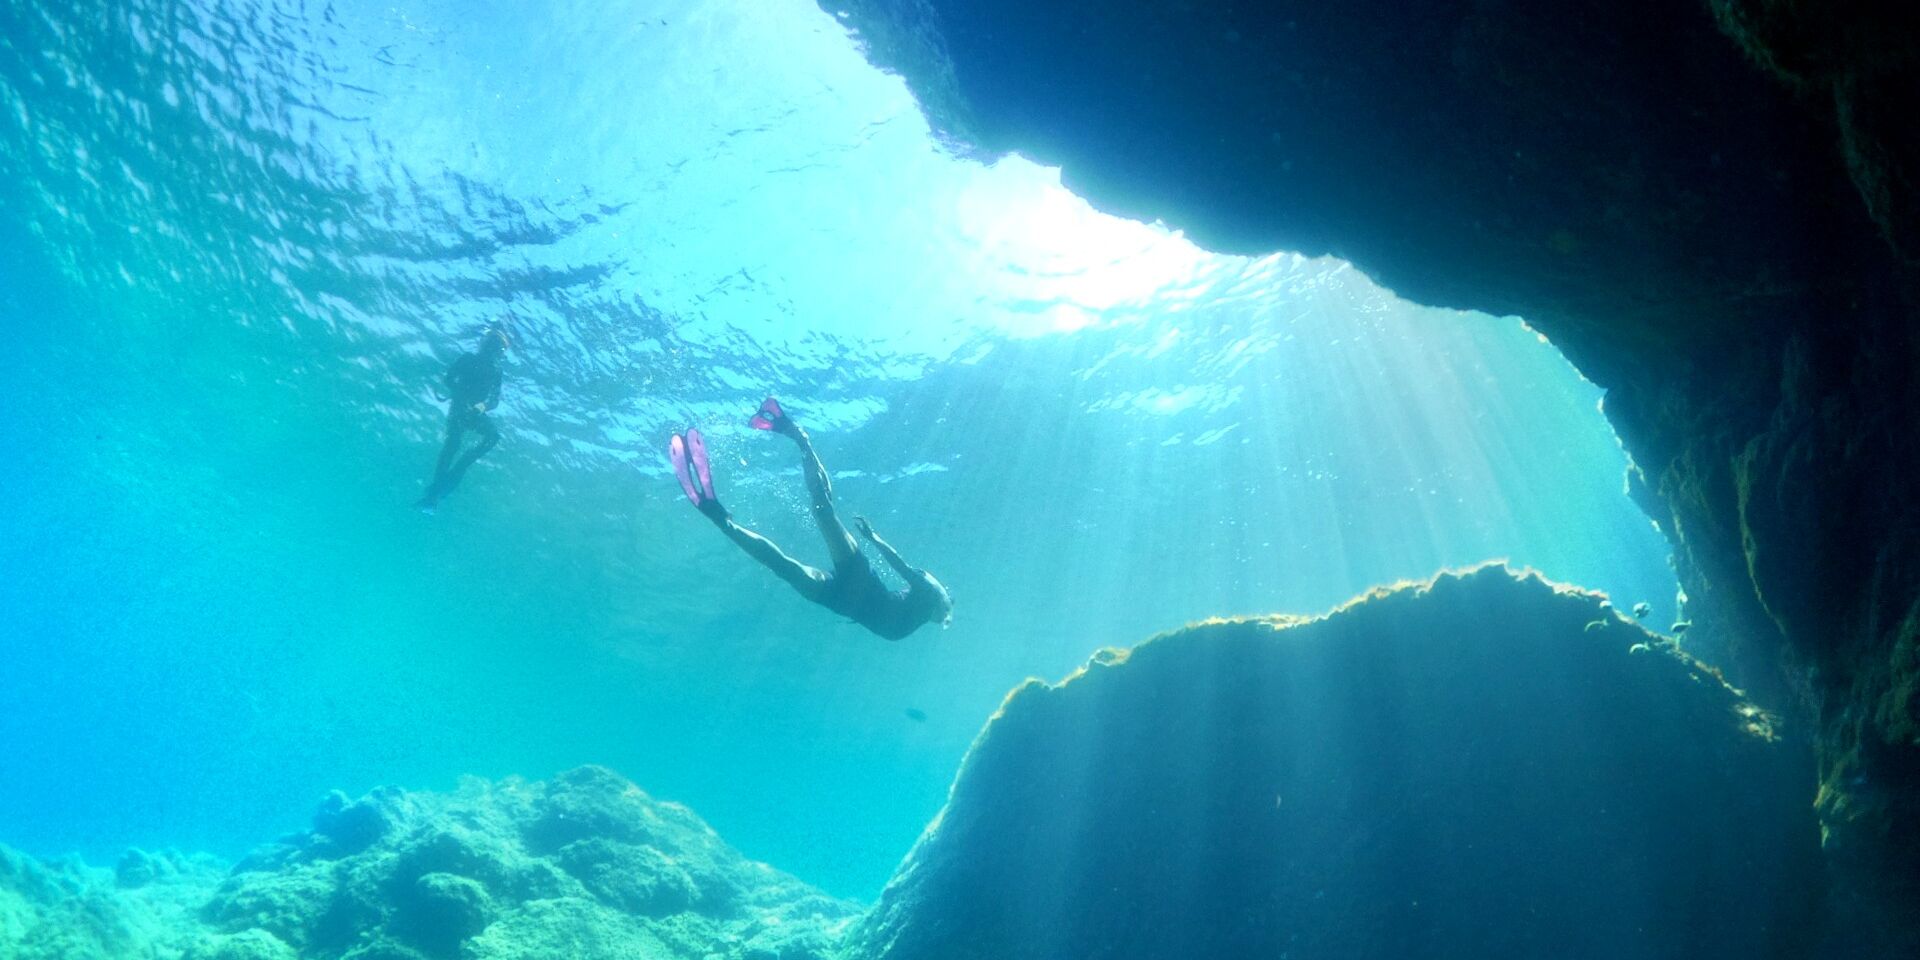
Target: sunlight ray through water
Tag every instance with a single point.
(253, 232)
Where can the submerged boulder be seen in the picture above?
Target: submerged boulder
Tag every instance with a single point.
(584, 866)
(1477, 766)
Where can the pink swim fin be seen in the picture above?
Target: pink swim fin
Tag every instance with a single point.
(677, 451)
(769, 415)
(697, 449)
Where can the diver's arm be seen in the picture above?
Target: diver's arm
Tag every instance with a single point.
(887, 552)
(493, 396)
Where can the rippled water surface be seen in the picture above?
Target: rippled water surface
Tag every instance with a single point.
(245, 236)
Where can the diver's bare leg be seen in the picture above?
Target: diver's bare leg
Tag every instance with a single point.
(840, 543)
(808, 581)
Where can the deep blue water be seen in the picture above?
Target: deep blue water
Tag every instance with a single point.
(244, 237)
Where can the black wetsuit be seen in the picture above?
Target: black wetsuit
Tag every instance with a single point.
(472, 381)
(854, 591)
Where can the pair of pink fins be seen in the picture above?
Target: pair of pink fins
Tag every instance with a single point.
(689, 453)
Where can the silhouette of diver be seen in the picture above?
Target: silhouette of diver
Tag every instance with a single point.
(852, 589)
(473, 388)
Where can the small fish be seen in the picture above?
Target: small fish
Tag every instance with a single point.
(1642, 609)
(916, 714)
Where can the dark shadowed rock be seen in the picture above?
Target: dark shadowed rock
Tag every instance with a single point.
(1711, 207)
(137, 868)
(1486, 766)
(440, 911)
(351, 826)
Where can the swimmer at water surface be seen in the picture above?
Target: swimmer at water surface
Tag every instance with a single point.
(473, 389)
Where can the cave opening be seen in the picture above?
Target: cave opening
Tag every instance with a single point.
(1094, 429)
(1713, 218)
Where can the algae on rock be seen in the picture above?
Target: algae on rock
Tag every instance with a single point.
(582, 866)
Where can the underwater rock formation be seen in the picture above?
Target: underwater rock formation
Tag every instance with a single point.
(1709, 207)
(68, 911)
(583, 866)
(1482, 766)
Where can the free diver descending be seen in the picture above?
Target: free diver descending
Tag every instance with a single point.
(851, 589)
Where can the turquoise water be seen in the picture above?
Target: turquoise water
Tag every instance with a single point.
(245, 238)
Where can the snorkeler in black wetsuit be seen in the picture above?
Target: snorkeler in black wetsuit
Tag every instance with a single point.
(473, 388)
(851, 589)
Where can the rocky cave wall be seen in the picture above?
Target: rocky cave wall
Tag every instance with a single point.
(1709, 207)
(1483, 766)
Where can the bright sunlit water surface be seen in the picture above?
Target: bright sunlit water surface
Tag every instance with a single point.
(246, 236)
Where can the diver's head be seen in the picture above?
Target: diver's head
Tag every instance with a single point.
(495, 341)
(935, 602)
